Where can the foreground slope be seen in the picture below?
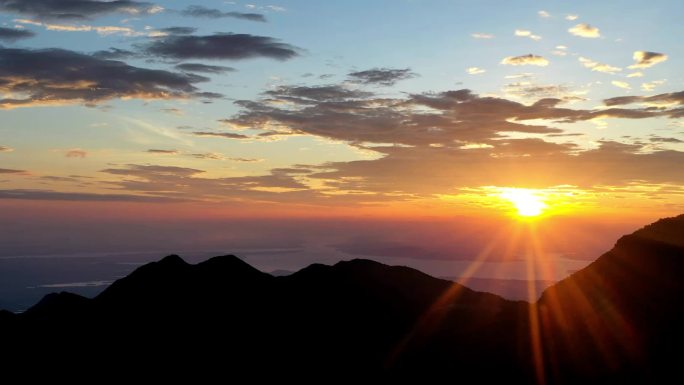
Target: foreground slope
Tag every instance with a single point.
(617, 321)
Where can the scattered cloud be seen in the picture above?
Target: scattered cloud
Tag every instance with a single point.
(246, 160)
(77, 9)
(635, 75)
(163, 152)
(10, 35)
(115, 54)
(174, 111)
(571, 17)
(479, 35)
(645, 59)
(208, 155)
(543, 14)
(650, 86)
(211, 13)
(198, 67)
(599, 67)
(76, 153)
(227, 135)
(178, 30)
(585, 30)
(382, 76)
(475, 70)
(6, 149)
(669, 99)
(525, 60)
(58, 76)
(220, 46)
(309, 94)
(527, 33)
(75, 196)
(11, 171)
(104, 30)
(621, 84)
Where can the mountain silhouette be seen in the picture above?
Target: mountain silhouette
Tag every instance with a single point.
(619, 320)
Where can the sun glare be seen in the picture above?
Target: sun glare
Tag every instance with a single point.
(529, 203)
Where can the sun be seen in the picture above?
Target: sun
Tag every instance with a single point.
(528, 202)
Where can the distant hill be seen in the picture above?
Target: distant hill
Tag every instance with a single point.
(514, 289)
(619, 320)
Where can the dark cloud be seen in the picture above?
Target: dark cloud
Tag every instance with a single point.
(115, 54)
(144, 170)
(208, 155)
(227, 135)
(668, 98)
(10, 171)
(382, 76)
(198, 67)
(314, 94)
(220, 46)
(179, 30)
(660, 139)
(187, 183)
(74, 196)
(164, 152)
(211, 13)
(6, 149)
(645, 59)
(76, 153)
(11, 35)
(76, 9)
(451, 118)
(57, 76)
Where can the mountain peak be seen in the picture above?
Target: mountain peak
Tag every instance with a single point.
(172, 259)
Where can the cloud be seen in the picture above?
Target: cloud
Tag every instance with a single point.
(77, 9)
(310, 94)
(115, 54)
(543, 14)
(208, 155)
(645, 59)
(6, 149)
(163, 152)
(650, 86)
(178, 30)
(11, 171)
(182, 183)
(599, 67)
(479, 35)
(660, 139)
(585, 30)
(76, 153)
(57, 76)
(525, 60)
(10, 35)
(381, 76)
(75, 196)
(227, 135)
(635, 75)
(475, 70)
(571, 17)
(220, 46)
(248, 160)
(526, 33)
(198, 67)
(674, 98)
(621, 84)
(210, 13)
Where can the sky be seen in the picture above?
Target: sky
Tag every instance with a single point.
(355, 115)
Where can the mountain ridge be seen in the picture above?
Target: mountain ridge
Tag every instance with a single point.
(615, 321)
